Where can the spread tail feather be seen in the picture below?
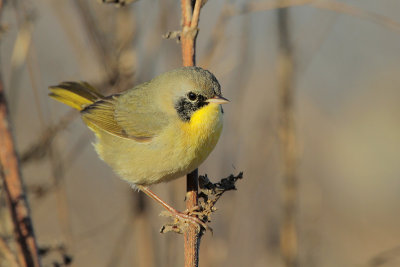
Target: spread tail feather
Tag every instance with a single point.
(75, 94)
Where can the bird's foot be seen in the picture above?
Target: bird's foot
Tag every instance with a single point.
(196, 210)
(183, 219)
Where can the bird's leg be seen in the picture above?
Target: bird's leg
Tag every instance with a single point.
(179, 215)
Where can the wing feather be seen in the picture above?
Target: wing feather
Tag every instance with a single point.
(132, 114)
(139, 114)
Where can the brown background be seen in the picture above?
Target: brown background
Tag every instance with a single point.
(346, 91)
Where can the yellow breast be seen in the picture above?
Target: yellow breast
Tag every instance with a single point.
(201, 133)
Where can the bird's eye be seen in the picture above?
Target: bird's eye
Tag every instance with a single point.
(192, 96)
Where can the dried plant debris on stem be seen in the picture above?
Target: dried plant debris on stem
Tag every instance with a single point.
(209, 194)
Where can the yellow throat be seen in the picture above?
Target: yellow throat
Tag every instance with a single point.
(203, 130)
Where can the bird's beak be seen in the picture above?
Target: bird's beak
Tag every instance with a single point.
(218, 100)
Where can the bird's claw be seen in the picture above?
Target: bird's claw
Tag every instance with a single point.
(182, 219)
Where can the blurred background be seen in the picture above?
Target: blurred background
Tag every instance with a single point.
(313, 123)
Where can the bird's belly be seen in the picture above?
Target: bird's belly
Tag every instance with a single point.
(177, 151)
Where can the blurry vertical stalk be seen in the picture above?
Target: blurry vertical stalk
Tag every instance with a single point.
(137, 221)
(288, 237)
(190, 19)
(15, 194)
(24, 21)
(145, 245)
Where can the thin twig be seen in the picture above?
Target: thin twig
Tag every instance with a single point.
(196, 14)
(344, 8)
(331, 5)
(186, 12)
(119, 3)
(40, 147)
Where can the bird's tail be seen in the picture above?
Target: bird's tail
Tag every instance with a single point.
(75, 94)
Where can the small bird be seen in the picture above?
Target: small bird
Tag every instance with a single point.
(155, 132)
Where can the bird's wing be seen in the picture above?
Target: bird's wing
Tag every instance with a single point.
(126, 116)
(139, 114)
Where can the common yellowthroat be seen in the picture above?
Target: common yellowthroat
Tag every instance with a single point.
(155, 132)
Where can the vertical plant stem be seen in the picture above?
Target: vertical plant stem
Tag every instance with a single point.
(288, 239)
(16, 198)
(189, 32)
(192, 236)
(190, 19)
